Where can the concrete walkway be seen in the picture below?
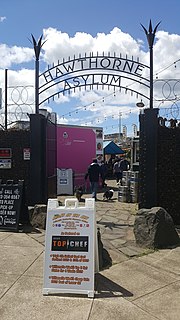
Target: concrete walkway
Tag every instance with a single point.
(139, 285)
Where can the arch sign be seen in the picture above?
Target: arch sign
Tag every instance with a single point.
(91, 71)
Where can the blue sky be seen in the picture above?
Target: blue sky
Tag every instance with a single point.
(90, 16)
(60, 21)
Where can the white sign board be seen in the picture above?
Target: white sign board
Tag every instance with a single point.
(70, 248)
(26, 153)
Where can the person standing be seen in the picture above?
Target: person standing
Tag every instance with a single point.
(124, 165)
(93, 173)
(117, 171)
(103, 172)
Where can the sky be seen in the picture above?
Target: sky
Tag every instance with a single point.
(73, 28)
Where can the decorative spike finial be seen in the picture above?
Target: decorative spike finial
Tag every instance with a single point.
(150, 34)
(37, 46)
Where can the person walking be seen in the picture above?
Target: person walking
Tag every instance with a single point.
(93, 173)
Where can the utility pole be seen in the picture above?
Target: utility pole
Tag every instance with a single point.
(5, 100)
(120, 115)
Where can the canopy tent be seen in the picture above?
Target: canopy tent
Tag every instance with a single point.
(110, 147)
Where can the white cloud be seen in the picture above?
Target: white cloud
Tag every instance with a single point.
(60, 45)
(10, 56)
(2, 19)
(166, 51)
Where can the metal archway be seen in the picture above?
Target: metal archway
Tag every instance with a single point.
(91, 71)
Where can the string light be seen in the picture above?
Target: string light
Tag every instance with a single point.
(93, 104)
(103, 118)
(174, 63)
(114, 93)
(126, 90)
(100, 100)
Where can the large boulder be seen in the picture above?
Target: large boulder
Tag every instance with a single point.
(154, 228)
(37, 216)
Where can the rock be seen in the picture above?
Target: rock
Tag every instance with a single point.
(154, 228)
(37, 216)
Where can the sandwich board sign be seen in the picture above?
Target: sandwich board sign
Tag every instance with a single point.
(69, 263)
(10, 205)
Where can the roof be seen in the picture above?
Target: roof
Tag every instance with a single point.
(110, 147)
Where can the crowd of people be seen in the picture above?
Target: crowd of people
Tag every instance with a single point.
(98, 172)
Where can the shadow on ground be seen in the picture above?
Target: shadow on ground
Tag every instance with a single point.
(106, 288)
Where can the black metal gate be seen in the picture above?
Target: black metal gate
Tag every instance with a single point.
(159, 164)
